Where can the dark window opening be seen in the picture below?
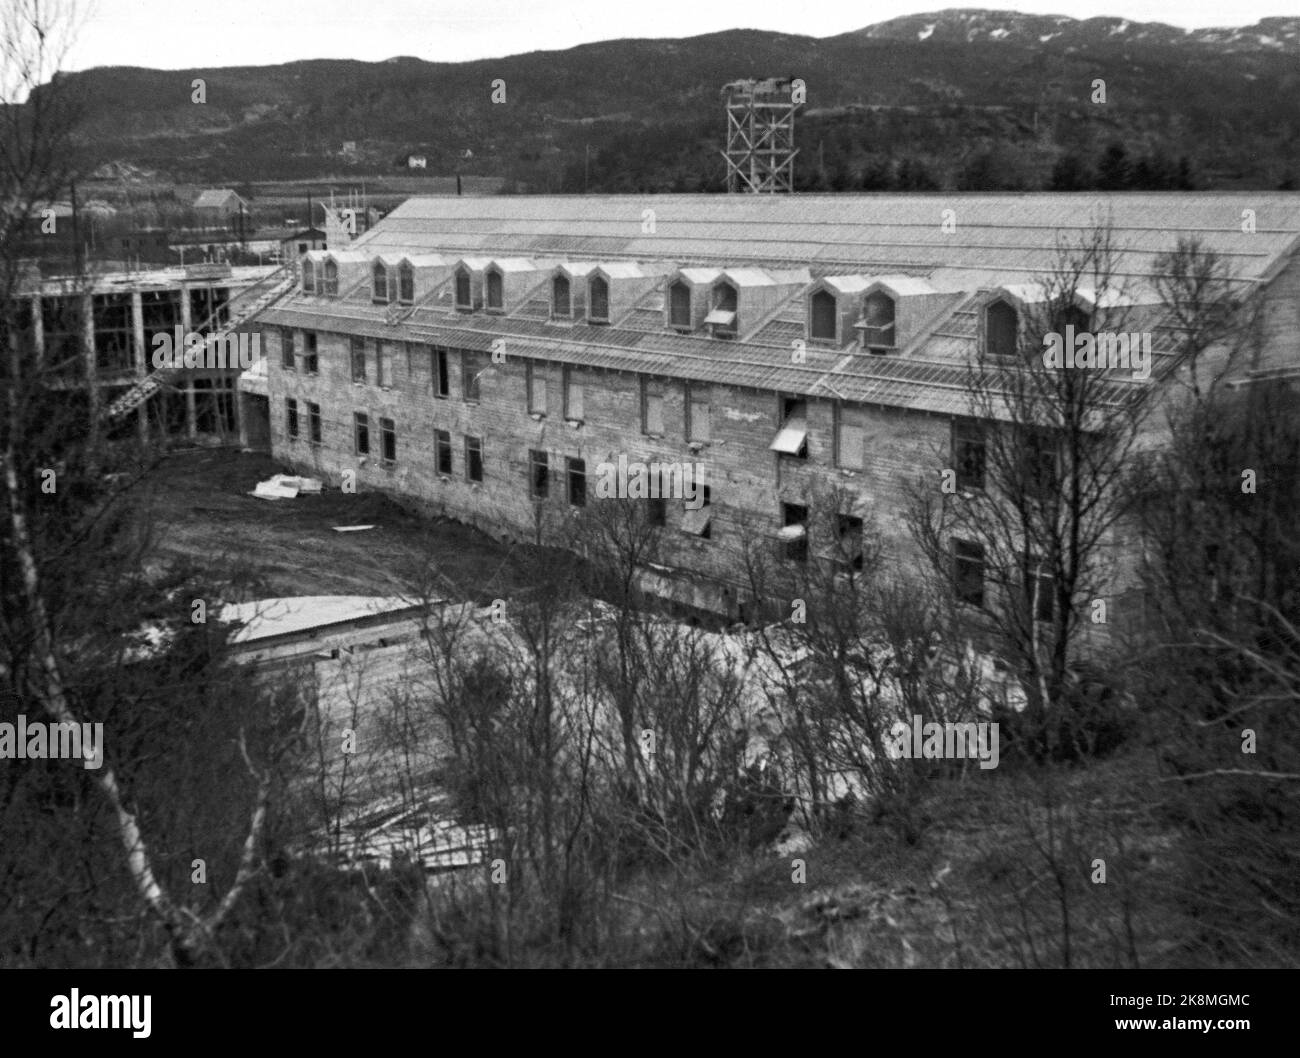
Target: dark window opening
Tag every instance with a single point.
(495, 291)
(441, 372)
(311, 362)
(679, 306)
(824, 316)
(291, 416)
(474, 458)
(361, 432)
(561, 304)
(442, 447)
(286, 350)
(1073, 316)
(577, 474)
(792, 438)
(464, 296)
(471, 374)
(794, 517)
(539, 475)
(1001, 326)
(878, 321)
(379, 284)
(405, 283)
(968, 572)
(1040, 590)
(848, 533)
(598, 300)
(1038, 459)
(313, 423)
(723, 316)
(968, 454)
(656, 512)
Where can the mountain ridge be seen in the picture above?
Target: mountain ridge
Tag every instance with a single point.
(977, 81)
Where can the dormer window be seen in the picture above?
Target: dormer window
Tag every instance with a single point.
(406, 283)
(878, 323)
(679, 306)
(496, 300)
(561, 303)
(464, 297)
(598, 300)
(723, 317)
(822, 316)
(1001, 325)
(330, 287)
(308, 276)
(379, 285)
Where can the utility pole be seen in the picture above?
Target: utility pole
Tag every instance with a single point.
(76, 232)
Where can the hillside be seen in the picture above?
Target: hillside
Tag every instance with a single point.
(965, 25)
(965, 98)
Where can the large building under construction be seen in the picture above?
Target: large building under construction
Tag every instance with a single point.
(96, 333)
(484, 356)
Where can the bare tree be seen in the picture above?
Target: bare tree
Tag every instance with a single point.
(1035, 511)
(49, 536)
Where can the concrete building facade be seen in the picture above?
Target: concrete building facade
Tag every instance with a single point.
(484, 357)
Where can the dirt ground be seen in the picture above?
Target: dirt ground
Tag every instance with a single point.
(202, 512)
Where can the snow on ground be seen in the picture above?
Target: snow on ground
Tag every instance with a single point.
(274, 617)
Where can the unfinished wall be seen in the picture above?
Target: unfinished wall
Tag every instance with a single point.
(748, 481)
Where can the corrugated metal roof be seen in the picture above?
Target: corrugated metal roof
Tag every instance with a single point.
(999, 242)
(1009, 233)
(827, 373)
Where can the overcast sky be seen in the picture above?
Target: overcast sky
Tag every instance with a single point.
(180, 34)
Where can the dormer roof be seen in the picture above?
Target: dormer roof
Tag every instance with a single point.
(900, 286)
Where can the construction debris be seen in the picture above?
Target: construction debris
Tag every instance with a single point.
(286, 487)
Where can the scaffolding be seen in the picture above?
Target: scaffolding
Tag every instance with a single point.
(760, 135)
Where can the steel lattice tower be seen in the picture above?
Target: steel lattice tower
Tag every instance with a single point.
(760, 135)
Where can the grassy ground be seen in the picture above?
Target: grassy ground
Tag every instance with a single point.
(979, 889)
(1001, 871)
(201, 512)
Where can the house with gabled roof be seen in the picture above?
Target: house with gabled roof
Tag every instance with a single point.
(218, 207)
(793, 345)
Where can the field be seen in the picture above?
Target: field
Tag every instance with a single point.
(200, 509)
